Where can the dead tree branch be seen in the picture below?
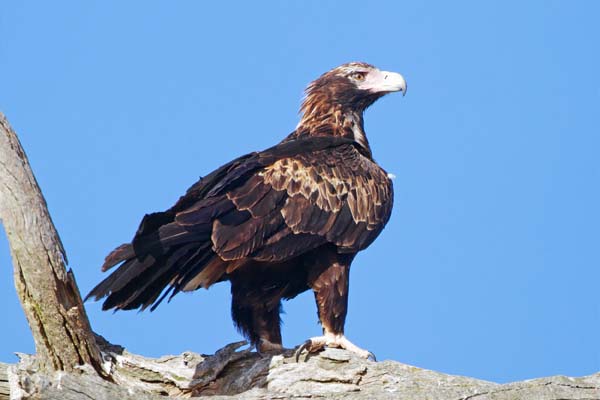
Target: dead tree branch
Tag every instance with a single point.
(48, 293)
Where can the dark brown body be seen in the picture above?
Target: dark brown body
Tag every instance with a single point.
(257, 288)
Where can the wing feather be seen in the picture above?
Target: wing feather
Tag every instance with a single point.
(269, 206)
(336, 193)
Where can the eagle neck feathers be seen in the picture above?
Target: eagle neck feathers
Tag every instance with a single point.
(333, 121)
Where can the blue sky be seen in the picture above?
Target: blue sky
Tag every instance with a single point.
(490, 264)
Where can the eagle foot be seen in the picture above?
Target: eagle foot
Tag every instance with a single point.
(318, 343)
(266, 348)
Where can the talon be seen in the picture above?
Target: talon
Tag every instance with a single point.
(332, 340)
(305, 346)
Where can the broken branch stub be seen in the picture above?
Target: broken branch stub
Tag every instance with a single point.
(48, 293)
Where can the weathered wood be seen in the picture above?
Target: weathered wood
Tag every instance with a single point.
(4, 386)
(48, 293)
(241, 374)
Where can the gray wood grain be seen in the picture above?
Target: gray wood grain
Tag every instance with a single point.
(241, 374)
(48, 293)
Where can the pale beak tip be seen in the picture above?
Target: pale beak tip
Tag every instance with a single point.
(403, 87)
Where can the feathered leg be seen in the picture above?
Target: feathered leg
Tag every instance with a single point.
(257, 318)
(330, 282)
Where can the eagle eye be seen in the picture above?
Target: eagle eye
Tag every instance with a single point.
(359, 76)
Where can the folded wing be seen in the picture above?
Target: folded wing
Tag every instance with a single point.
(267, 207)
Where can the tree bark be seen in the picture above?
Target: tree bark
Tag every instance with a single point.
(48, 293)
(236, 374)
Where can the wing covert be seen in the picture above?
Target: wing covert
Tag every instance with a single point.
(334, 195)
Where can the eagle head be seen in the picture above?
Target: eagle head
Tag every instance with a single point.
(353, 86)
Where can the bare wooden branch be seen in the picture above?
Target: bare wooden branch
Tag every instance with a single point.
(4, 385)
(235, 374)
(48, 293)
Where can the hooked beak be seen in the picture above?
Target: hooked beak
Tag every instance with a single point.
(393, 82)
(384, 82)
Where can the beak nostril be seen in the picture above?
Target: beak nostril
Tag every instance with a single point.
(385, 77)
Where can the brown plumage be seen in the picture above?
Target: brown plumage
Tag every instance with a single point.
(274, 223)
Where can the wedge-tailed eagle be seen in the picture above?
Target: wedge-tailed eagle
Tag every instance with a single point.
(273, 223)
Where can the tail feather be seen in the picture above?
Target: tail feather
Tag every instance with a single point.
(150, 264)
(195, 262)
(114, 282)
(150, 241)
(169, 250)
(134, 292)
(173, 268)
(194, 265)
(121, 253)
